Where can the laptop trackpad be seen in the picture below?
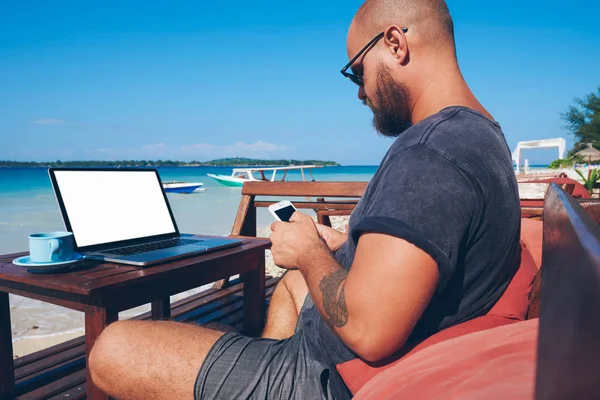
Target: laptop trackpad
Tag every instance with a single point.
(179, 250)
(166, 254)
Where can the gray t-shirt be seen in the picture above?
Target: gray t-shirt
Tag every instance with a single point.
(446, 185)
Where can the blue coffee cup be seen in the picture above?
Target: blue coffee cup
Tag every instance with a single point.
(51, 247)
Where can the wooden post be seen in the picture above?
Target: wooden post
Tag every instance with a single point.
(161, 309)
(96, 319)
(7, 371)
(244, 225)
(254, 298)
(322, 217)
(249, 226)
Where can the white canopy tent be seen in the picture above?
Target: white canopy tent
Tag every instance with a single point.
(560, 143)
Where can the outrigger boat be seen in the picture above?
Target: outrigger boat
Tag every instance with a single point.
(259, 174)
(183, 187)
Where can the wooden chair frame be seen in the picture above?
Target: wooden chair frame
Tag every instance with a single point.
(245, 220)
(327, 202)
(568, 346)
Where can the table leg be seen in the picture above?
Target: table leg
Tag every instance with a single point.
(254, 299)
(161, 309)
(96, 319)
(7, 370)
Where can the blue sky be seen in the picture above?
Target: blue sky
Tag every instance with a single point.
(202, 80)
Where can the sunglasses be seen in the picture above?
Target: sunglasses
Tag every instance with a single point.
(358, 78)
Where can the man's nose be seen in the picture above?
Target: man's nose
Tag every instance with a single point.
(361, 93)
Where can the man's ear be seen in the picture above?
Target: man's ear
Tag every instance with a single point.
(396, 43)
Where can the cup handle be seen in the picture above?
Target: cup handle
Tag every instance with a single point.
(54, 246)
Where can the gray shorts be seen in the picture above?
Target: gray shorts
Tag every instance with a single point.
(240, 367)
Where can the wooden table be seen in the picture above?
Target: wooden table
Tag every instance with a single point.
(101, 290)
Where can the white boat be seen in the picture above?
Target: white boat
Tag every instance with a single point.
(261, 174)
(183, 187)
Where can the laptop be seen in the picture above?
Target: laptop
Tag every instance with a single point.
(123, 216)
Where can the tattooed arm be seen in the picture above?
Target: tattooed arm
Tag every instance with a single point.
(334, 298)
(374, 307)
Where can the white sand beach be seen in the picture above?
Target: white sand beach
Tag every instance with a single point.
(37, 325)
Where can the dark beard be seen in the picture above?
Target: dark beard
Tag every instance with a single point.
(393, 100)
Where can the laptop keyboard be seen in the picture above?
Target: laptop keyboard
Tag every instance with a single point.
(145, 248)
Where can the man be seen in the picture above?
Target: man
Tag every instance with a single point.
(433, 242)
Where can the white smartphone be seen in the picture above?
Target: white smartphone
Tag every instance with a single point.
(282, 211)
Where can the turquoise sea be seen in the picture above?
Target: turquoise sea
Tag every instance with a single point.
(27, 202)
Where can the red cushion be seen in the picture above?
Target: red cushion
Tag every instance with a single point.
(496, 363)
(515, 300)
(531, 235)
(357, 373)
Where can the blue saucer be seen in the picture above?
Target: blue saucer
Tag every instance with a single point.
(38, 267)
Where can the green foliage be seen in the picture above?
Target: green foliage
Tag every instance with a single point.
(590, 181)
(583, 121)
(225, 162)
(566, 162)
(560, 163)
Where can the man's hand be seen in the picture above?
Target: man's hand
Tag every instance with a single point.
(334, 238)
(296, 243)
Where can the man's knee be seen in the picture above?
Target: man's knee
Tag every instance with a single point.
(150, 359)
(109, 349)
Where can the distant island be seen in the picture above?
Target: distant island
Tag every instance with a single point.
(222, 162)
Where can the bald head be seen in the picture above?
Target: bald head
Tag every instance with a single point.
(404, 62)
(428, 21)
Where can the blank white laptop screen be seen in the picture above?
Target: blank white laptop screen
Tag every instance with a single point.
(110, 206)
